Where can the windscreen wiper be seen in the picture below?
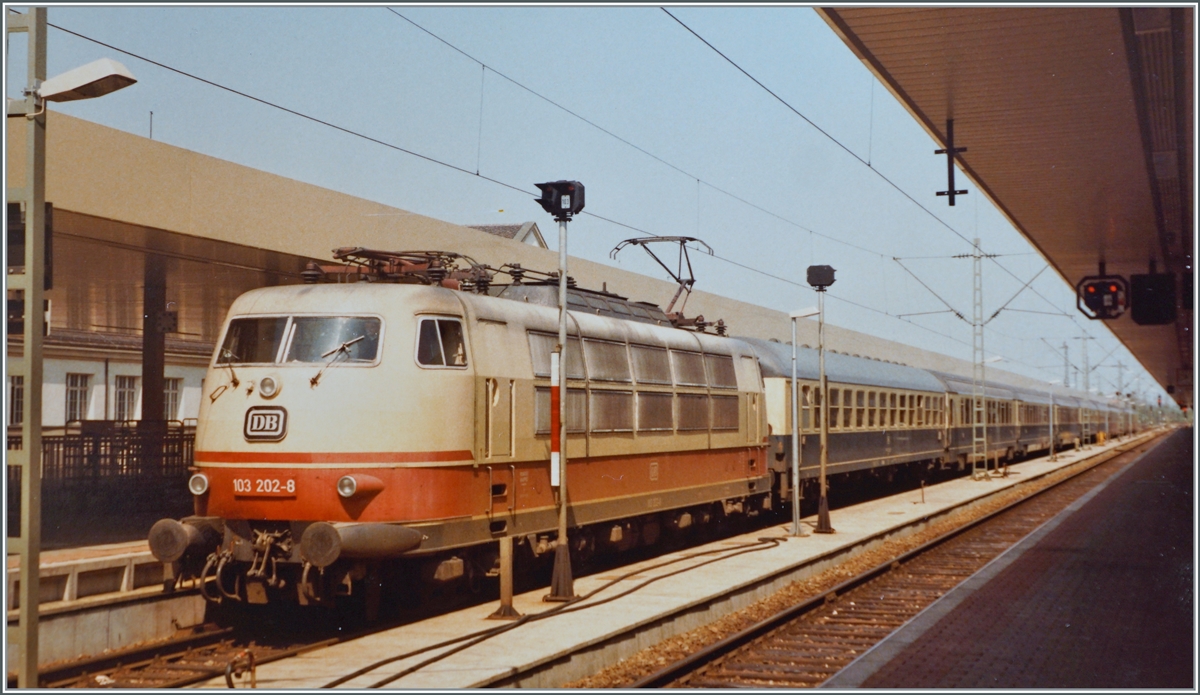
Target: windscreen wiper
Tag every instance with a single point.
(343, 349)
(233, 380)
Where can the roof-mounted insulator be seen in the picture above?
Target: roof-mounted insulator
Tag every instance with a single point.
(312, 273)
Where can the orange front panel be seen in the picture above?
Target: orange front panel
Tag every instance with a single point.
(308, 493)
(409, 494)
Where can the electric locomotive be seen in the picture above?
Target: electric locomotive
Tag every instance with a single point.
(355, 423)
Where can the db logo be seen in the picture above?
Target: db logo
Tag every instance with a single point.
(265, 423)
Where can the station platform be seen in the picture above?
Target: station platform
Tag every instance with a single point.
(1101, 596)
(632, 613)
(91, 552)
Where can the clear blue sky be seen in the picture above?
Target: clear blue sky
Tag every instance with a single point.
(688, 136)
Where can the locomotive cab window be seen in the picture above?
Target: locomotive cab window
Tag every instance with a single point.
(320, 338)
(440, 343)
(252, 340)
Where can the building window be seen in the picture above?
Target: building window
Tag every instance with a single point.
(77, 392)
(16, 400)
(171, 390)
(126, 397)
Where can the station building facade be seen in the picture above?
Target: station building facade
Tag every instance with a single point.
(210, 230)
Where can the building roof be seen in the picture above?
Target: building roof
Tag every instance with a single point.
(526, 232)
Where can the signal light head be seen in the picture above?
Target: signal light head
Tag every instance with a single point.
(561, 198)
(1106, 296)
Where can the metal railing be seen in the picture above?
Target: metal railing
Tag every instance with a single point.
(117, 452)
(106, 485)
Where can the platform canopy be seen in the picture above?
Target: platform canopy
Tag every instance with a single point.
(1078, 125)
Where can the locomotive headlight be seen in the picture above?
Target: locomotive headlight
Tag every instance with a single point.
(347, 486)
(268, 386)
(198, 484)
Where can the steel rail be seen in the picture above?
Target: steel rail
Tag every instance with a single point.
(699, 659)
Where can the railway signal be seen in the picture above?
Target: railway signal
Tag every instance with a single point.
(1105, 296)
(563, 199)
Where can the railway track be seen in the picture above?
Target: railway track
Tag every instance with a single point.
(177, 663)
(806, 644)
(228, 652)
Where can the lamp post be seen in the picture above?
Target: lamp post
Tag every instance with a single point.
(987, 473)
(821, 277)
(1053, 456)
(561, 199)
(802, 314)
(92, 80)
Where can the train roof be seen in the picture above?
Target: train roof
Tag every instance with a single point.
(775, 360)
(585, 301)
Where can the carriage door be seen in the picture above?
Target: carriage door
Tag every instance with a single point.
(751, 380)
(500, 394)
(499, 423)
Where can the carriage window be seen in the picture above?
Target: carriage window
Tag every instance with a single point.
(252, 340)
(720, 371)
(540, 347)
(859, 412)
(319, 338)
(576, 409)
(847, 409)
(655, 412)
(440, 343)
(871, 409)
(725, 412)
(611, 411)
(693, 411)
(805, 407)
(688, 368)
(834, 410)
(650, 365)
(920, 412)
(606, 361)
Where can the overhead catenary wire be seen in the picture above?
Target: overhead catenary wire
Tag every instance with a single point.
(626, 141)
(865, 163)
(818, 128)
(507, 185)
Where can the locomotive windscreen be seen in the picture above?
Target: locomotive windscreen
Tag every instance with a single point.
(253, 340)
(260, 340)
(315, 338)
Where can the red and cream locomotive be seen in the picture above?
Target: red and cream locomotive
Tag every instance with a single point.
(350, 423)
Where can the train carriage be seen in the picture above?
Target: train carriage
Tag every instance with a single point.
(881, 415)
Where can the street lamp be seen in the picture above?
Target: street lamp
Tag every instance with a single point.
(561, 199)
(821, 277)
(802, 314)
(92, 80)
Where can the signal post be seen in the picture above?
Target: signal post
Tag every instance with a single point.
(563, 199)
